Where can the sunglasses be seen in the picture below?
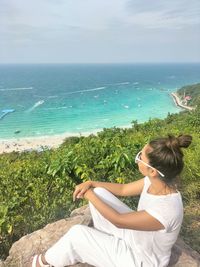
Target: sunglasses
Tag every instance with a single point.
(138, 159)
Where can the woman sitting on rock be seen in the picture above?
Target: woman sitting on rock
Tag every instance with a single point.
(120, 236)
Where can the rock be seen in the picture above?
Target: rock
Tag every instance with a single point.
(39, 241)
(184, 256)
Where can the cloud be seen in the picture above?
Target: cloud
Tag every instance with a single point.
(173, 14)
(96, 31)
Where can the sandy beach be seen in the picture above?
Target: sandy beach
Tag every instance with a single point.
(40, 143)
(36, 143)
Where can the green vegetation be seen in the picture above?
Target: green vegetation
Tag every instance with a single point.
(193, 91)
(36, 187)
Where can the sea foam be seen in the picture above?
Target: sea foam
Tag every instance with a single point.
(16, 89)
(86, 90)
(36, 105)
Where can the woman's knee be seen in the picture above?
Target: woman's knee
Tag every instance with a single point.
(111, 200)
(100, 191)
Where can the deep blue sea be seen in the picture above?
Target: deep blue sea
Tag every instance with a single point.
(58, 98)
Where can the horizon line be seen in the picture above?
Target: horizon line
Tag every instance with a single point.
(95, 63)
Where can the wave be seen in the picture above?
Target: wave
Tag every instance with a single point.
(16, 89)
(116, 84)
(123, 83)
(86, 90)
(40, 102)
(136, 83)
(56, 108)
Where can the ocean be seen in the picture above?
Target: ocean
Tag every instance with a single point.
(40, 100)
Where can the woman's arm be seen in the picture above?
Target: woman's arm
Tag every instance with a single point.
(136, 220)
(130, 189)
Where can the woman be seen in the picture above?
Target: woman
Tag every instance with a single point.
(120, 236)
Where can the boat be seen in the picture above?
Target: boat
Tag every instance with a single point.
(17, 132)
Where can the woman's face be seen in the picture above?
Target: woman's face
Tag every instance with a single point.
(145, 170)
(143, 163)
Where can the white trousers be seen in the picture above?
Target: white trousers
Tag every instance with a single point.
(103, 245)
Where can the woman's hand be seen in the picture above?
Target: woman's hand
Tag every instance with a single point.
(81, 189)
(88, 194)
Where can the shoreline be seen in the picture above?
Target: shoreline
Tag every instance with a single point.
(39, 143)
(178, 103)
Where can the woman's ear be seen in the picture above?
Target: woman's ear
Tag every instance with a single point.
(153, 173)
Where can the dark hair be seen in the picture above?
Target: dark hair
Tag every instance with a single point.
(165, 155)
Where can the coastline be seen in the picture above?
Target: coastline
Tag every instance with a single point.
(41, 142)
(178, 103)
(37, 143)
(52, 142)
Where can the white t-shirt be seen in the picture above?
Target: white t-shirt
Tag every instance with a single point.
(155, 246)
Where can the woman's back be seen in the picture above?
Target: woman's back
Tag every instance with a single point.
(155, 246)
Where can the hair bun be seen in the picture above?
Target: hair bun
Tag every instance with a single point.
(184, 140)
(178, 142)
(172, 142)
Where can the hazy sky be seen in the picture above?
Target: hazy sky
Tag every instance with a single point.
(87, 31)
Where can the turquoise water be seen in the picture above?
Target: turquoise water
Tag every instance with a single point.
(54, 99)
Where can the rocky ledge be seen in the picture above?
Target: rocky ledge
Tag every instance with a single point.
(39, 241)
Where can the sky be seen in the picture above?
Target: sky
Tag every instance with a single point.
(99, 31)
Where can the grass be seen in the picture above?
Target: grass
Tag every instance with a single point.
(190, 231)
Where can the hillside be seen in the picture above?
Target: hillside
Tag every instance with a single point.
(39, 185)
(190, 94)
